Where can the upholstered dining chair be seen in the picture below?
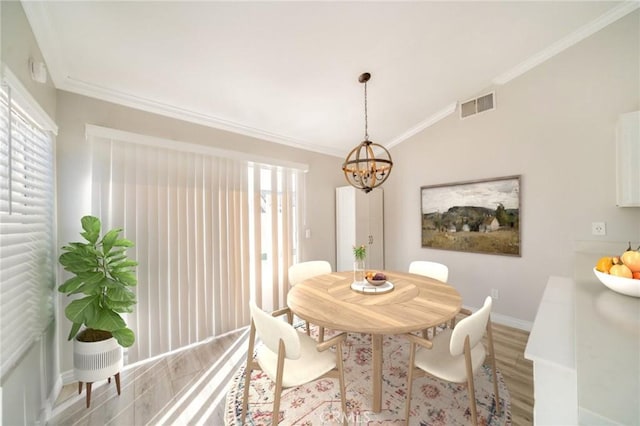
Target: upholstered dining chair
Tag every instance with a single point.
(305, 270)
(433, 270)
(455, 355)
(289, 358)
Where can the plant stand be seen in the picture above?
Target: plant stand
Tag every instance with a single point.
(94, 361)
(117, 380)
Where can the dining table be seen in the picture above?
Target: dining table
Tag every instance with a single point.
(405, 303)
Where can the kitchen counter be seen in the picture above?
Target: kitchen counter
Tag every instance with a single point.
(607, 348)
(585, 345)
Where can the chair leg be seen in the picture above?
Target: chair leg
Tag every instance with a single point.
(247, 373)
(308, 328)
(492, 353)
(275, 417)
(343, 392)
(79, 388)
(321, 335)
(412, 358)
(471, 388)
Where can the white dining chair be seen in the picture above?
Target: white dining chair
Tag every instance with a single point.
(435, 270)
(455, 355)
(430, 269)
(303, 271)
(289, 358)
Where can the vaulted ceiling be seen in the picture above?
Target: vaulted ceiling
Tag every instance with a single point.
(288, 71)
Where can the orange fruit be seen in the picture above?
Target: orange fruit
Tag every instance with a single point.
(604, 264)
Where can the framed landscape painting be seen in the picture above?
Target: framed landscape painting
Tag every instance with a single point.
(481, 216)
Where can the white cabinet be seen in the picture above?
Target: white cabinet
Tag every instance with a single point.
(359, 220)
(628, 160)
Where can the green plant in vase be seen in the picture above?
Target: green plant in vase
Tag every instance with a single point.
(360, 255)
(104, 275)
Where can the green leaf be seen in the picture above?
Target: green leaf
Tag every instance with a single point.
(109, 239)
(124, 265)
(115, 259)
(123, 242)
(107, 320)
(83, 310)
(75, 327)
(71, 285)
(121, 294)
(91, 226)
(120, 307)
(127, 278)
(124, 336)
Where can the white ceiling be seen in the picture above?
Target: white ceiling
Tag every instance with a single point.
(288, 71)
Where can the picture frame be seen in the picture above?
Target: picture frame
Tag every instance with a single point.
(478, 216)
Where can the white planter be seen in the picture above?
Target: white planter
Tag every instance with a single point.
(93, 361)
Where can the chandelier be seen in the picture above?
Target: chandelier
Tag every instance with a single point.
(362, 168)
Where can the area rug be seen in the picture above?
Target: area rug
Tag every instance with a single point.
(434, 402)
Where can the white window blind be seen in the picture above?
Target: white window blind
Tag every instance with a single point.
(209, 233)
(26, 231)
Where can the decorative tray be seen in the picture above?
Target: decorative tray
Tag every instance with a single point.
(365, 287)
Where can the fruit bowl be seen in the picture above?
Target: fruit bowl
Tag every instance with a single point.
(376, 282)
(628, 286)
(376, 278)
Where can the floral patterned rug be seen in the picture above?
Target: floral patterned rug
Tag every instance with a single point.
(434, 402)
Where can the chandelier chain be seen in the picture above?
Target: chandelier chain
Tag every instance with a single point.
(366, 117)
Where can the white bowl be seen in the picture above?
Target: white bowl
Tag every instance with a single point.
(628, 286)
(376, 282)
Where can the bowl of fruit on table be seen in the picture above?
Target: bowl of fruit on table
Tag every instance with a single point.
(620, 273)
(376, 278)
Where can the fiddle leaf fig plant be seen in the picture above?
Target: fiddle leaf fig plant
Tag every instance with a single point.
(104, 275)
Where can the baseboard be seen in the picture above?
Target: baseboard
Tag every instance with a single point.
(507, 320)
(67, 377)
(50, 403)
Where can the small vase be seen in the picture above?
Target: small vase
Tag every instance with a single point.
(358, 270)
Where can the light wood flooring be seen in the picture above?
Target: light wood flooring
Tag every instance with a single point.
(189, 386)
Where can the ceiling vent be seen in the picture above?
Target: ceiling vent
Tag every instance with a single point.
(477, 105)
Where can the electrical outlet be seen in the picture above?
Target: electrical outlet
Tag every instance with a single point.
(495, 294)
(599, 228)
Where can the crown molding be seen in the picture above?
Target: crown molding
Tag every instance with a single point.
(430, 121)
(580, 34)
(54, 56)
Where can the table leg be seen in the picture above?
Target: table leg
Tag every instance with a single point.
(376, 347)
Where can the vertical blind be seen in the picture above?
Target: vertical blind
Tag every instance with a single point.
(210, 233)
(26, 231)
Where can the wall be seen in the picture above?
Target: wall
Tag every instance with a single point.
(554, 126)
(18, 45)
(74, 171)
(26, 388)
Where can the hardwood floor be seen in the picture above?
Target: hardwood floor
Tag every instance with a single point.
(189, 386)
(509, 344)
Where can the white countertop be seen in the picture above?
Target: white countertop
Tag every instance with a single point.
(551, 337)
(585, 344)
(607, 350)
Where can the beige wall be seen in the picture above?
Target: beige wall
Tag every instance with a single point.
(74, 111)
(555, 126)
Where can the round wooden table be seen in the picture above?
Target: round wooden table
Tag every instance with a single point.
(415, 303)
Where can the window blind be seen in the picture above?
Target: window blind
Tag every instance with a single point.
(210, 233)
(26, 231)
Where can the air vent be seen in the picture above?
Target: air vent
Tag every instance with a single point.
(478, 105)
